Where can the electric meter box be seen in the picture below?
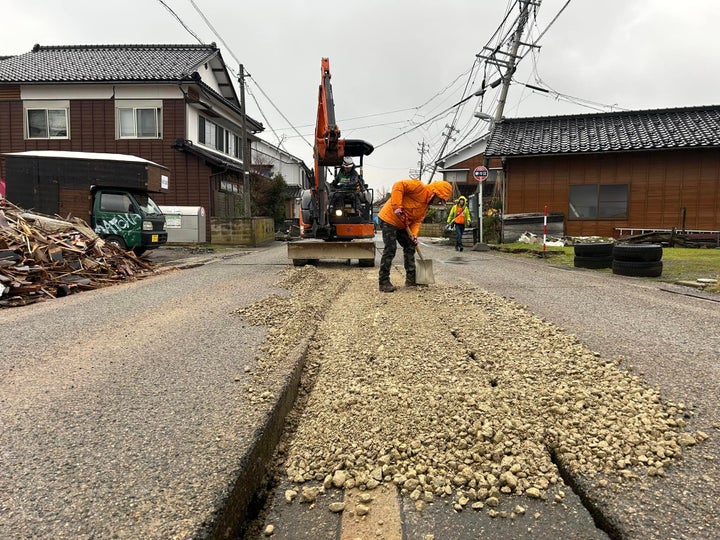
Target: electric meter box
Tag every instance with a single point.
(184, 224)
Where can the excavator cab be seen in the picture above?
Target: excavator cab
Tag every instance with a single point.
(351, 205)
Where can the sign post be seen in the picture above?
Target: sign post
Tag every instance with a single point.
(480, 174)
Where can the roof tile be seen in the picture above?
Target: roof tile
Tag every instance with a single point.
(116, 63)
(606, 132)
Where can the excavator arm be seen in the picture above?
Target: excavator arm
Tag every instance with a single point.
(329, 147)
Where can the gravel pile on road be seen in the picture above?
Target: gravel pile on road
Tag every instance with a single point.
(452, 392)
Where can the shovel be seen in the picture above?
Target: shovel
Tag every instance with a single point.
(423, 268)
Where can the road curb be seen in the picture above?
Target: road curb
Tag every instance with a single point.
(255, 464)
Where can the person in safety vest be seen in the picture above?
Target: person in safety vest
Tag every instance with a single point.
(400, 219)
(460, 217)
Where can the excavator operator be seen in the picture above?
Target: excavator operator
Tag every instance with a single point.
(348, 178)
(349, 184)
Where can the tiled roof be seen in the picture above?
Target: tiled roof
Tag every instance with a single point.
(115, 63)
(690, 127)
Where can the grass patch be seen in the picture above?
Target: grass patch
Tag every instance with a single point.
(679, 264)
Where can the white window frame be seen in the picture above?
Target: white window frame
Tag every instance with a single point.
(228, 144)
(62, 106)
(135, 106)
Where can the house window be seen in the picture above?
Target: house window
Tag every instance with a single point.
(231, 148)
(139, 122)
(598, 201)
(47, 123)
(215, 136)
(229, 186)
(220, 138)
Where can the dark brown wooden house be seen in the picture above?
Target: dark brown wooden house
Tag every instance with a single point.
(174, 105)
(613, 174)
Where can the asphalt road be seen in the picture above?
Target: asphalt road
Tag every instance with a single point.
(122, 415)
(121, 409)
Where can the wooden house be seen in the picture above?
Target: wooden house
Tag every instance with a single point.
(175, 105)
(613, 174)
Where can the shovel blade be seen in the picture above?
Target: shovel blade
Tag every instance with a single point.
(424, 272)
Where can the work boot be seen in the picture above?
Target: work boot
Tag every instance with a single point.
(387, 287)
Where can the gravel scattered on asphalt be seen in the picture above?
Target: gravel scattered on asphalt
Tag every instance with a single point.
(452, 392)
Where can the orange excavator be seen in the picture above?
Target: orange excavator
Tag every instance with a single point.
(336, 222)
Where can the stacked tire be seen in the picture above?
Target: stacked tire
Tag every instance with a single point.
(594, 255)
(637, 260)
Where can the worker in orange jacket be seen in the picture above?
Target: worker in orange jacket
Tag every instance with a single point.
(400, 219)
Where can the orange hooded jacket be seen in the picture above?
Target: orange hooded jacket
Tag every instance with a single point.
(414, 197)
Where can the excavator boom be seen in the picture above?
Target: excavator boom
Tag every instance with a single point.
(329, 147)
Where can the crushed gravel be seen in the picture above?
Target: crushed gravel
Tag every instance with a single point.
(452, 392)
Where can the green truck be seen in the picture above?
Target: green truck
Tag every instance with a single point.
(109, 191)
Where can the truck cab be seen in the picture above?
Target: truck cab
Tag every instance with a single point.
(127, 218)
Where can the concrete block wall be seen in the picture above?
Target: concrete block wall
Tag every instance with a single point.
(434, 230)
(251, 232)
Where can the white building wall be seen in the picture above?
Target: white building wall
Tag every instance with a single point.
(100, 91)
(282, 163)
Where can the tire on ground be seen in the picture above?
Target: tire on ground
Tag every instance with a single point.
(637, 268)
(116, 241)
(594, 249)
(638, 252)
(593, 262)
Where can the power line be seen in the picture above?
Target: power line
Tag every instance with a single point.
(204, 18)
(185, 26)
(265, 118)
(342, 120)
(280, 112)
(426, 121)
(232, 54)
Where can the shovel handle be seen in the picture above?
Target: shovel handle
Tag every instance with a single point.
(417, 246)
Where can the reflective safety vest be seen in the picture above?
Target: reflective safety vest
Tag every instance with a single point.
(460, 217)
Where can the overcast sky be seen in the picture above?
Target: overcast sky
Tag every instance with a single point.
(396, 64)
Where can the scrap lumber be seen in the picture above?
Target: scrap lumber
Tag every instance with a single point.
(43, 257)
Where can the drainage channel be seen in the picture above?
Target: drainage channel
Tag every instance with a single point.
(602, 522)
(272, 513)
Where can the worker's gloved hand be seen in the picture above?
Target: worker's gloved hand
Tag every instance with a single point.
(414, 239)
(400, 212)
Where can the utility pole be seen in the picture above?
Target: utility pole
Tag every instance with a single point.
(448, 137)
(244, 153)
(507, 60)
(512, 56)
(423, 149)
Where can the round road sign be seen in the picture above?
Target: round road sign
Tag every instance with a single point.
(480, 173)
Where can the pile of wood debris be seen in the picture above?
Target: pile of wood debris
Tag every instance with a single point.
(47, 257)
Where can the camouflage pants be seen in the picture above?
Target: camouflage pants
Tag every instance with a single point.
(392, 236)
